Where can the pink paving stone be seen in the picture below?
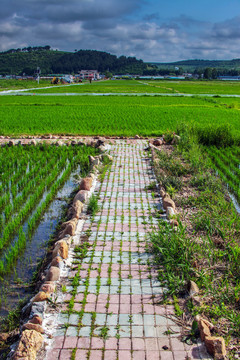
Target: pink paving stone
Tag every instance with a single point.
(124, 355)
(90, 307)
(111, 344)
(77, 307)
(136, 299)
(95, 355)
(104, 274)
(114, 274)
(97, 343)
(64, 307)
(70, 342)
(110, 355)
(102, 298)
(115, 267)
(118, 227)
(177, 345)
(163, 341)
(148, 309)
(136, 308)
(91, 298)
(83, 343)
(125, 299)
(65, 355)
(72, 273)
(58, 342)
(151, 344)
(147, 299)
(114, 308)
(101, 308)
(125, 267)
(114, 299)
(93, 274)
(125, 308)
(170, 310)
(138, 344)
(53, 354)
(166, 355)
(124, 344)
(125, 274)
(180, 355)
(83, 273)
(67, 297)
(153, 355)
(134, 267)
(84, 266)
(139, 355)
(81, 354)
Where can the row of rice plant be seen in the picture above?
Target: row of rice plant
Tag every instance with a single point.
(227, 166)
(122, 115)
(36, 196)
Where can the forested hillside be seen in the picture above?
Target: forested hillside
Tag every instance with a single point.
(26, 60)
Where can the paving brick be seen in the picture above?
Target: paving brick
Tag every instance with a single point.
(95, 355)
(70, 342)
(139, 355)
(111, 344)
(153, 355)
(58, 342)
(125, 344)
(65, 354)
(110, 355)
(124, 355)
(138, 343)
(97, 343)
(53, 354)
(83, 343)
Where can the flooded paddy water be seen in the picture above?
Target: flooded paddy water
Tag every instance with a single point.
(16, 285)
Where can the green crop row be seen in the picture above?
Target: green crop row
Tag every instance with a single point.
(36, 195)
(109, 115)
(226, 169)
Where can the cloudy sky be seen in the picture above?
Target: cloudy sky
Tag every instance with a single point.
(152, 30)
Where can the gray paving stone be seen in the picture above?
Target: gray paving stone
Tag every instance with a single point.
(85, 331)
(125, 331)
(74, 319)
(87, 319)
(100, 319)
(112, 319)
(72, 331)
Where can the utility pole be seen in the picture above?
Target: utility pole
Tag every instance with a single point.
(38, 74)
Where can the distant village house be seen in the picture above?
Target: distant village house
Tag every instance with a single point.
(89, 74)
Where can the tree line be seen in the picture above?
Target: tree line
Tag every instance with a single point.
(26, 60)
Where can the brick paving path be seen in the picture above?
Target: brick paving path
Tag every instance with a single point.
(111, 310)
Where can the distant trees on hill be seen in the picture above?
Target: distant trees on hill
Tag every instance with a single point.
(26, 60)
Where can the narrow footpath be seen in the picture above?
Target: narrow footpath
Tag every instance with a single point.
(112, 291)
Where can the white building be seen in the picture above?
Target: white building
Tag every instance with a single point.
(89, 74)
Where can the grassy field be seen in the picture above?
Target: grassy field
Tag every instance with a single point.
(121, 116)
(197, 87)
(106, 86)
(12, 84)
(156, 86)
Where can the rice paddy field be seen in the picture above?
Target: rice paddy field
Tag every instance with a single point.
(36, 183)
(110, 115)
(147, 86)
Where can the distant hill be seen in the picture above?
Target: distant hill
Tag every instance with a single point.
(26, 60)
(191, 65)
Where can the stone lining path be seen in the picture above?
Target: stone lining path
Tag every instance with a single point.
(113, 292)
